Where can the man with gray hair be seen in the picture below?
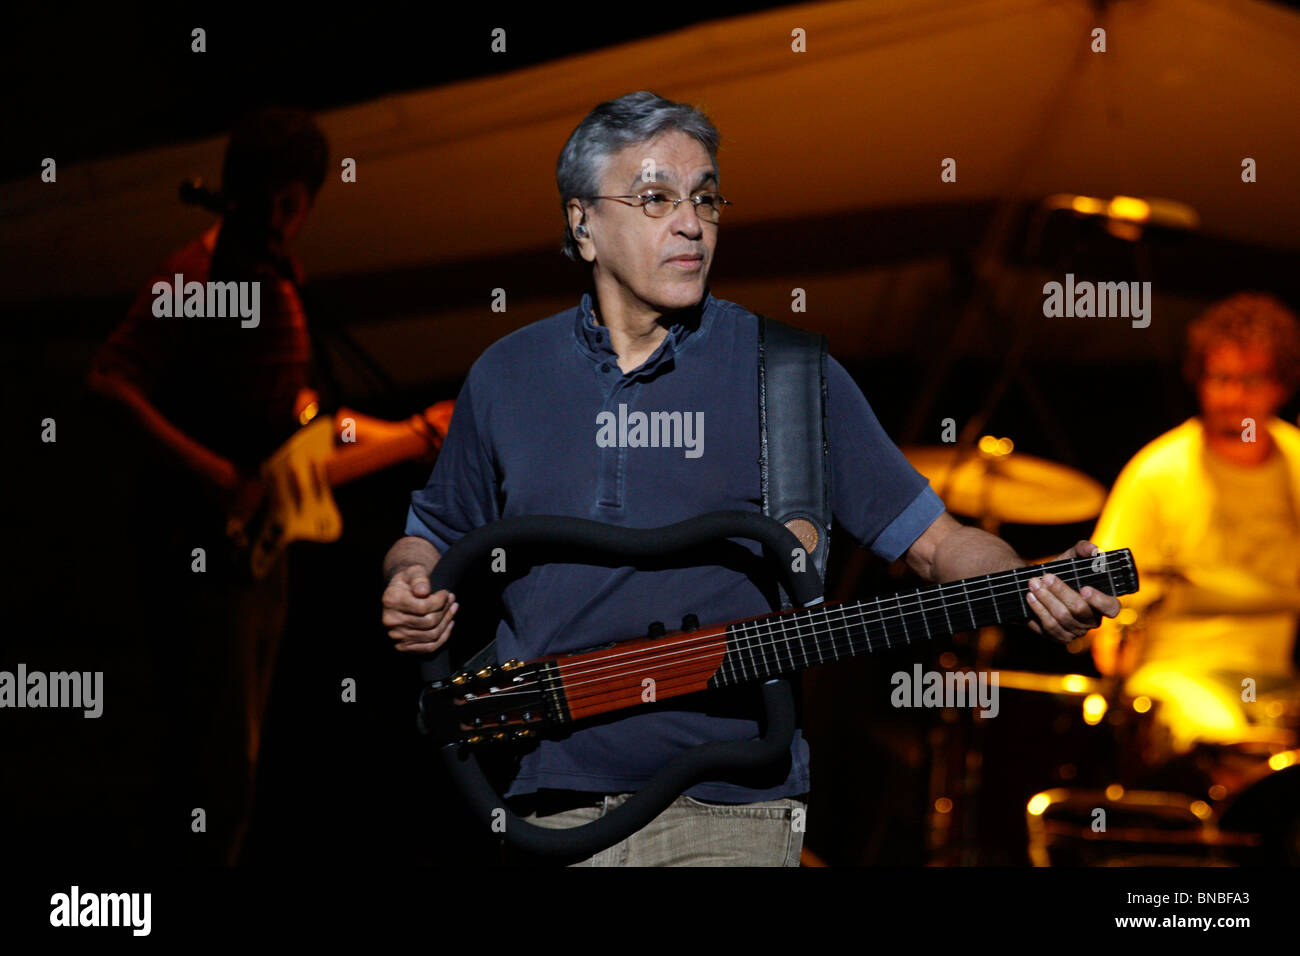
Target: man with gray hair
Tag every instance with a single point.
(639, 188)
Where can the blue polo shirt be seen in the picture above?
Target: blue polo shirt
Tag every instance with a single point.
(528, 437)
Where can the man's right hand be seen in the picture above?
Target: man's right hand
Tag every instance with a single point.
(236, 495)
(417, 620)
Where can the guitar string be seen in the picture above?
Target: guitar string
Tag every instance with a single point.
(860, 609)
(653, 655)
(859, 612)
(631, 669)
(917, 599)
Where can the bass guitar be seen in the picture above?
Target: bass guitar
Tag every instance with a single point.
(299, 477)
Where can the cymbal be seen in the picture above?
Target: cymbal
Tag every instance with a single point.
(1009, 486)
(1225, 591)
(1211, 591)
(1052, 683)
(1166, 572)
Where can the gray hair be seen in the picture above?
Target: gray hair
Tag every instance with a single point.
(614, 125)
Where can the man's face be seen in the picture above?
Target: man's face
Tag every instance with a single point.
(640, 253)
(1238, 383)
(289, 207)
(274, 218)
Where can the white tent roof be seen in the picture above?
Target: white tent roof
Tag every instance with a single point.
(861, 121)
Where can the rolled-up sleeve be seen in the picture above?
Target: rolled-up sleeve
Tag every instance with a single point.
(463, 492)
(141, 348)
(877, 496)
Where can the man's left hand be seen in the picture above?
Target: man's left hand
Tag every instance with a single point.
(1064, 613)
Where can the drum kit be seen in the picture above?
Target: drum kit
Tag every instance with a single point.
(1081, 770)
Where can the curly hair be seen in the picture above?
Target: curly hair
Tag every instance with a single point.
(1247, 318)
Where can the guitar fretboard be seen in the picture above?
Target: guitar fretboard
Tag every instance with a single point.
(804, 637)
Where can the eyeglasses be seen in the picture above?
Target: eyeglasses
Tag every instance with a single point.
(656, 205)
(1248, 382)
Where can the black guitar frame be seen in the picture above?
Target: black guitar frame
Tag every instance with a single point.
(704, 761)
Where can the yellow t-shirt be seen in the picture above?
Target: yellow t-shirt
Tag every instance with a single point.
(1178, 506)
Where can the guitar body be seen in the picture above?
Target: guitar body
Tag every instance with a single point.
(300, 504)
(300, 475)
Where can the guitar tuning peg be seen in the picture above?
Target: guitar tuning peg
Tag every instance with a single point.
(462, 678)
(656, 629)
(500, 735)
(512, 664)
(475, 739)
(487, 672)
(690, 622)
(524, 734)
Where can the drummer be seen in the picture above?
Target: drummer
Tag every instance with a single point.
(1211, 511)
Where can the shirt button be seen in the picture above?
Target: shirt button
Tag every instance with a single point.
(604, 367)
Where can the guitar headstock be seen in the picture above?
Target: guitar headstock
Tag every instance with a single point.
(1112, 572)
(501, 703)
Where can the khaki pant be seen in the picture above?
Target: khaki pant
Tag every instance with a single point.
(692, 832)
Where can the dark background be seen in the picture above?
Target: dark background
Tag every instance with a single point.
(352, 783)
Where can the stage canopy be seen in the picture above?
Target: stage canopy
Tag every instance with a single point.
(832, 158)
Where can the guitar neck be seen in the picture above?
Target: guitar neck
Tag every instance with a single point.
(792, 640)
(633, 672)
(400, 443)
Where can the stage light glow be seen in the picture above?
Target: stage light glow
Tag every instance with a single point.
(1094, 709)
(1130, 208)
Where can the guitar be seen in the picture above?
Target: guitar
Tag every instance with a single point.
(516, 701)
(299, 477)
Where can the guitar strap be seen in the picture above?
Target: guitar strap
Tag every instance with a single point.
(794, 449)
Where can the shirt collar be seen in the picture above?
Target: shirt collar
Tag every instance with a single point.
(595, 337)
